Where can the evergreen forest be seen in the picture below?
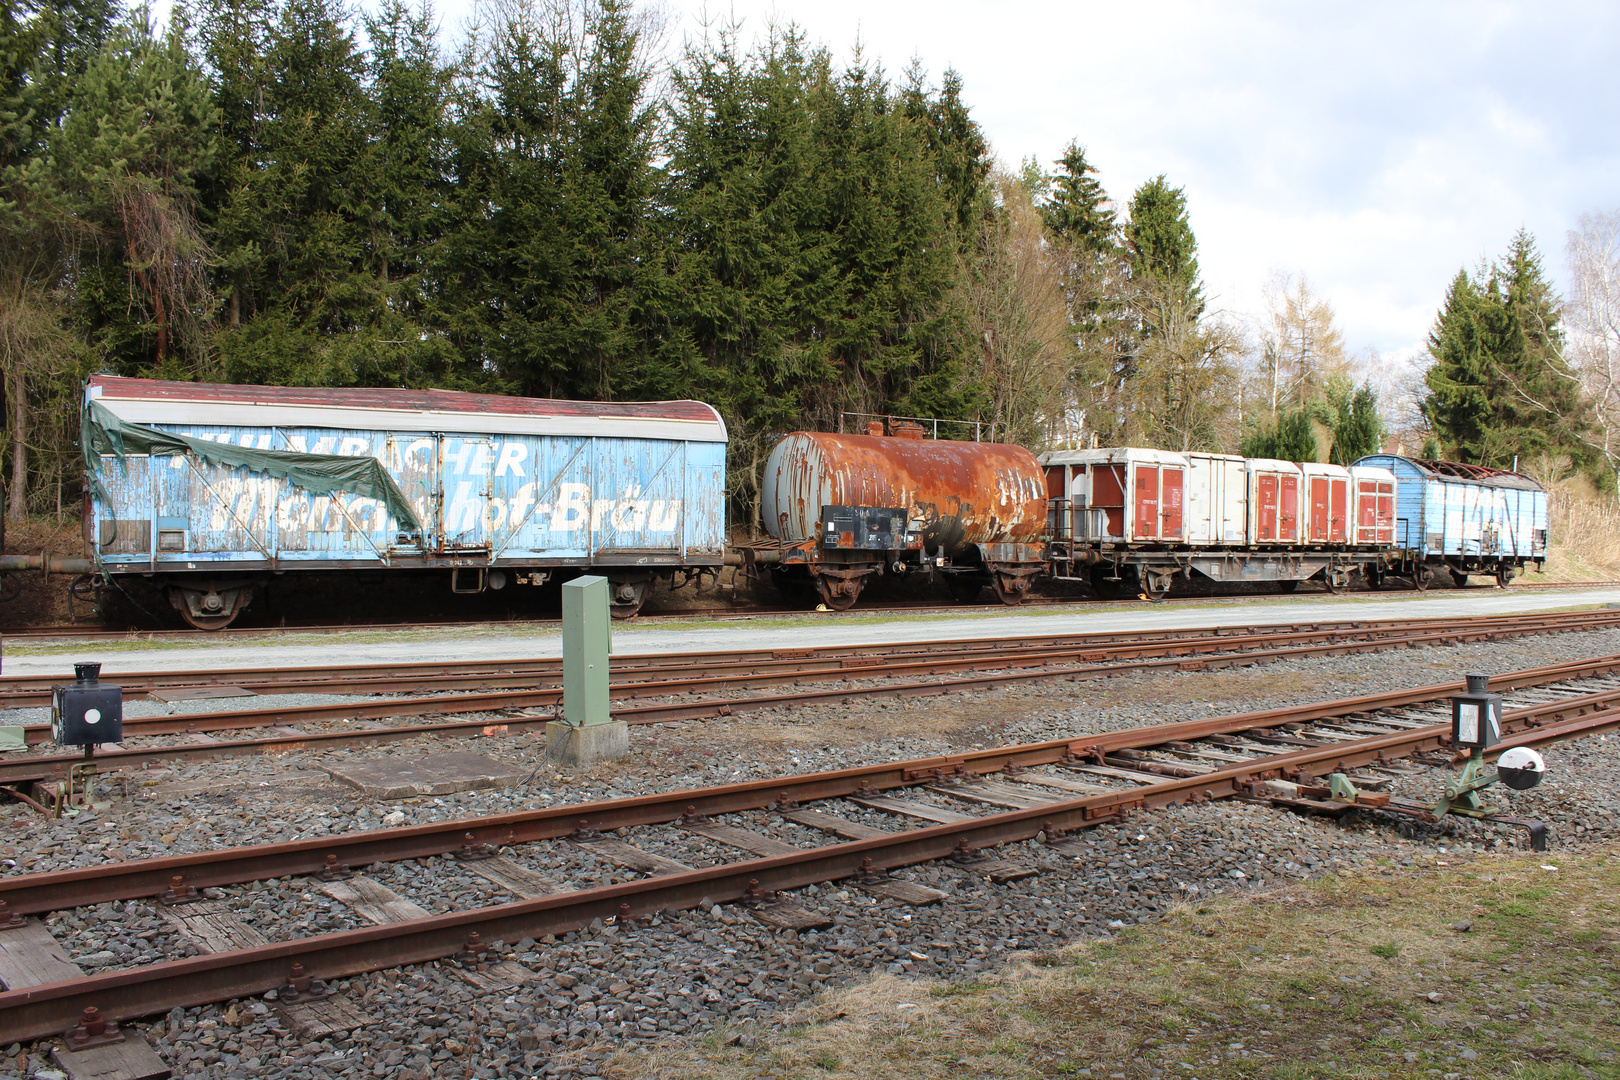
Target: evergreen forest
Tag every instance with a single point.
(290, 192)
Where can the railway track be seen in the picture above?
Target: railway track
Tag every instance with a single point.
(88, 632)
(868, 823)
(672, 681)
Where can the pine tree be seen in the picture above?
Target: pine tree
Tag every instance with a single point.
(1160, 244)
(1357, 428)
(140, 135)
(1078, 210)
(1499, 387)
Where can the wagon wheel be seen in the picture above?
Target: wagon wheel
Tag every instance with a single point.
(1504, 575)
(1156, 586)
(628, 596)
(10, 587)
(207, 622)
(965, 588)
(840, 601)
(1460, 578)
(1009, 588)
(1337, 589)
(1422, 578)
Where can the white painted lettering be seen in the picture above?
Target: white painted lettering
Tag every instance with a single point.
(352, 447)
(512, 455)
(573, 507)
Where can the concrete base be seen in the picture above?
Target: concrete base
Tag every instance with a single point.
(439, 774)
(588, 744)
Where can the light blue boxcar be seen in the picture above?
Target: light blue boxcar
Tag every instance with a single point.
(240, 482)
(1467, 518)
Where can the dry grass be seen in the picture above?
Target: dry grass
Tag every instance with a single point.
(1584, 540)
(1333, 978)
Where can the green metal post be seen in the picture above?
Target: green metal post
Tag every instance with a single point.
(587, 643)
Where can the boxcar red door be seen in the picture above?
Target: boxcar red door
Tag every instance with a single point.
(1367, 512)
(1319, 508)
(1170, 484)
(1266, 514)
(1338, 510)
(1147, 503)
(1288, 508)
(1386, 512)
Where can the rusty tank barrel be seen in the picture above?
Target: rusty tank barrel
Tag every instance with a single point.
(964, 492)
(51, 564)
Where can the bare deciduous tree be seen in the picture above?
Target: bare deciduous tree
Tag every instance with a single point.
(1593, 318)
(1300, 347)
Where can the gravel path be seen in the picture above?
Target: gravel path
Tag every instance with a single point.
(717, 968)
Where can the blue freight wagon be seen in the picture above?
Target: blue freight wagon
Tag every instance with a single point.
(210, 492)
(1467, 519)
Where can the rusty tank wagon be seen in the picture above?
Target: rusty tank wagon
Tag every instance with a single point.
(844, 509)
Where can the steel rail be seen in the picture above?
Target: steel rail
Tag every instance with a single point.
(47, 1009)
(54, 766)
(123, 881)
(27, 691)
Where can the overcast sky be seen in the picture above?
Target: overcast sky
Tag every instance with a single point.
(1375, 147)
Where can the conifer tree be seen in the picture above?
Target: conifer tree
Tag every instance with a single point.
(1499, 387)
(1078, 210)
(1160, 244)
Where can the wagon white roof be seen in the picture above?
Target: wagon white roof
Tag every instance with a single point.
(162, 402)
(1322, 468)
(1261, 464)
(1113, 455)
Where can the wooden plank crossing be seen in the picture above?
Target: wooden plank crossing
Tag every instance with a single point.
(755, 842)
(212, 925)
(992, 793)
(1059, 783)
(913, 808)
(516, 879)
(501, 976)
(790, 915)
(30, 956)
(131, 1059)
(907, 892)
(625, 855)
(372, 900)
(838, 826)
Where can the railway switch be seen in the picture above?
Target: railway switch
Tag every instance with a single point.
(1476, 725)
(87, 712)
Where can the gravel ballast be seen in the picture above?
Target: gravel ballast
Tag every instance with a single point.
(718, 968)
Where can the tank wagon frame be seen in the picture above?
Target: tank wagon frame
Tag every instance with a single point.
(845, 509)
(211, 492)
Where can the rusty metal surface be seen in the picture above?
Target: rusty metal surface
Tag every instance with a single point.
(44, 1010)
(964, 492)
(91, 885)
(1010, 667)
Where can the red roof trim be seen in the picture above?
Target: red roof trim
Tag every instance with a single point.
(448, 401)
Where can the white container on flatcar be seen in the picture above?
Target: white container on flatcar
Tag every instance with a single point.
(1276, 499)
(1122, 494)
(1374, 491)
(1217, 500)
(1328, 504)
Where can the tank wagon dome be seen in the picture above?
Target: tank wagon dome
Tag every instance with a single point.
(164, 402)
(964, 492)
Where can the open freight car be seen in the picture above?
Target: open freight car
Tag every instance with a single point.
(208, 493)
(1467, 519)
